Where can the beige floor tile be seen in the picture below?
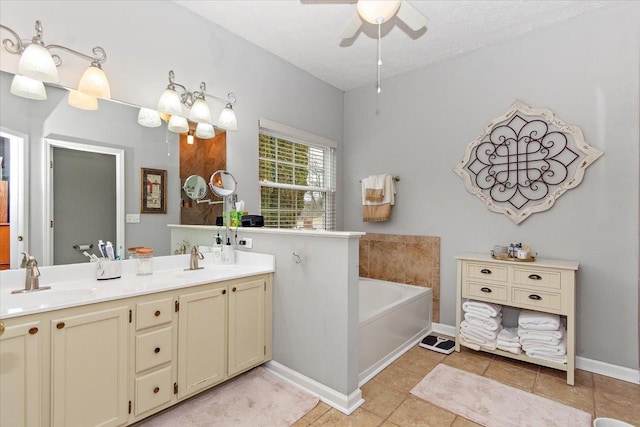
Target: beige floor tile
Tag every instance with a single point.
(381, 399)
(512, 374)
(388, 423)
(416, 412)
(358, 418)
(463, 422)
(617, 399)
(579, 396)
(320, 409)
(469, 360)
(419, 360)
(300, 423)
(585, 378)
(398, 379)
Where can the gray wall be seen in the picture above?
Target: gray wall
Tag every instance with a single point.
(587, 71)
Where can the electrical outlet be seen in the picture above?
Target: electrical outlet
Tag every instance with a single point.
(133, 218)
(247, 242)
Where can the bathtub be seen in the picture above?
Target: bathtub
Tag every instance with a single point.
(392, 318)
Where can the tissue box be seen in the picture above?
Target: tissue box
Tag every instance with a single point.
(108, 269)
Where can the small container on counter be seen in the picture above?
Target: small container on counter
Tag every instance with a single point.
(144, 265)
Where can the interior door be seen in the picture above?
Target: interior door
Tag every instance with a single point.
(13, 220)
(84, 190)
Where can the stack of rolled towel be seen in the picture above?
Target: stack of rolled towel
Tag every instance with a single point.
(481, 325)
(508, 340)
(543, 336)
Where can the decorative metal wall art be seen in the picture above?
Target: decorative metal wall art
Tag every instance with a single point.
(524, 160)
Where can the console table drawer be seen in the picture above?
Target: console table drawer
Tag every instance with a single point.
(485, 292)
(535, 278)
(487, 272)
(536, 299)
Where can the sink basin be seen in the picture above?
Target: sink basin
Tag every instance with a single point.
(39, 299)
(209, 272)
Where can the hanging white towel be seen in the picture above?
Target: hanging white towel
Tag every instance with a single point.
(374, 211)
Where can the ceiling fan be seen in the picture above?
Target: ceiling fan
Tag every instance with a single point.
(378, 12)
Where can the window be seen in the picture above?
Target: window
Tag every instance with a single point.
(297, 178)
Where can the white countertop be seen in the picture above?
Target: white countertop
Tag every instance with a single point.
(76, 284)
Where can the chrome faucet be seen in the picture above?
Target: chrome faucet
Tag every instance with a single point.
(31, 282)
(195, 256)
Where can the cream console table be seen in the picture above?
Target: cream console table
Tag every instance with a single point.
(545, 285)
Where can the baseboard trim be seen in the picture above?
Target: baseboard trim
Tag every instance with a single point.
(594, 366)
(342, 402)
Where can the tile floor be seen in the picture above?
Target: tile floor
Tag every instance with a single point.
(388, 402)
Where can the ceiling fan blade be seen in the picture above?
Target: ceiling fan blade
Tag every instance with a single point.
(352, 27)
(411, 16)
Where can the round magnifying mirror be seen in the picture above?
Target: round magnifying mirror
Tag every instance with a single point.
(195, 187)
(222, 183)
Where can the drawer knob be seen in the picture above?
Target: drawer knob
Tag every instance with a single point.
(156, 350)
(1, 327)
(535, 297)
(157, 313)
(224, 291)
(485, 271)
(535, 277)
(33, 330)
(233, 289)
(60, 325)
(487, 290)
(156, 390)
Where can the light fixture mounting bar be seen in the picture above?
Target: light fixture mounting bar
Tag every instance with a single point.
(188, 98)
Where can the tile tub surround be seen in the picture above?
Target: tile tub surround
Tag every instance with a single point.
(413, 260)
(388, 402)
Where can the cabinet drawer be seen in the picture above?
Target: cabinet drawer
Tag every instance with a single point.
(153, 390)
(536, 299)
(536, 278)
(153, 313)
(153, 349)
(485, 292)
(492, 272)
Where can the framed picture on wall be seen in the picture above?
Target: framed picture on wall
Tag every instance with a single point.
(153, 191)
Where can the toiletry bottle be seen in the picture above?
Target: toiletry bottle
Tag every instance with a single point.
(217, 249)
(228, 254)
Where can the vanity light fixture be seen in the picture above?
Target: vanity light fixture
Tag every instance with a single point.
(175, 96)
(38, 65)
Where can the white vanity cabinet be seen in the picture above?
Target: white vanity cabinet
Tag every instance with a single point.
(20, 379)
(89, 369)
(545, 285)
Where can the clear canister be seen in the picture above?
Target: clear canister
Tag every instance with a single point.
(144, 259)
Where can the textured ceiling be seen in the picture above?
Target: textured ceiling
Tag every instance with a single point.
(306, 33)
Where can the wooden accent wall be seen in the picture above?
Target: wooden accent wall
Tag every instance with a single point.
(413, 260)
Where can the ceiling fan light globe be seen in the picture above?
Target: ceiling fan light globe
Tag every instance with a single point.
(378, 11)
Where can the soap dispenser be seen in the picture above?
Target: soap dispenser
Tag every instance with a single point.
(217, 249)
(228, 254)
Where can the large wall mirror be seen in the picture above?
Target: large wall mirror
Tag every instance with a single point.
(40, 128)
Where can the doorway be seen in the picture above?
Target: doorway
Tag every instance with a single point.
(85, 200)
(13, 196)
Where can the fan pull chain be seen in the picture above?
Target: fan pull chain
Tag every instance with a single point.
(379, 53)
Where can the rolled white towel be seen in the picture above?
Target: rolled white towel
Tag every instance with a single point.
(550, 336)
(509, 335)
(490, 323)
(536, 320)
(486, 308)
(484, 333)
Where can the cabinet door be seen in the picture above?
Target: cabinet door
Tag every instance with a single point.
(246, 325)
(89, 368)
(202, 325)
(20, 375)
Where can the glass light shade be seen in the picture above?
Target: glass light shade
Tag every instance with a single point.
(82, 101)
(200, 112)
(205, 131)
(190, 139)
(149, 118)
(28, 88)
(94, 83)
(164, 116)
(227, 119)
(372, 10)
(178, 124)
(36, 62)
(169, 103)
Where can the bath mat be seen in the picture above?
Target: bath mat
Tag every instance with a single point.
(256, 398)
(493, 404)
